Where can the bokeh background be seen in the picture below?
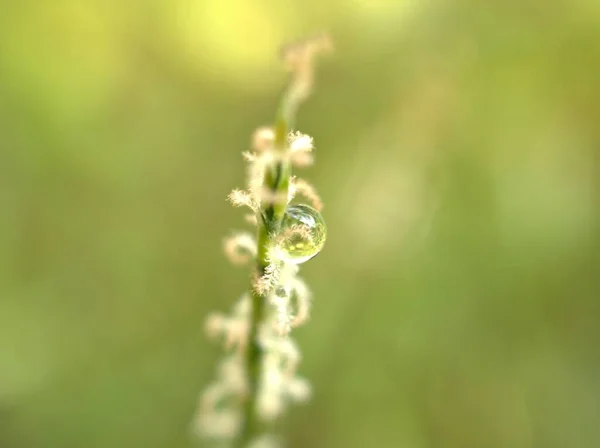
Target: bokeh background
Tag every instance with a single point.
(457, 298)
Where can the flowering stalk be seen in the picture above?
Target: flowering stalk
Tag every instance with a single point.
(259, 377)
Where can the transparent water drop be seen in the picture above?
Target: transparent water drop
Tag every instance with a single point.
(303, 233)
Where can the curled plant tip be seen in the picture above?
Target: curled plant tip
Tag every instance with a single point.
(270, 400)
(214, 420)
(299, 59)
(270, 406)
(218, 424)
(287, 354)
(265, 441)
(319, 42)
(300, 142)
(282, 323)
(218, 412)
(279, 383)
(251, 219)
(263, 195)
(233, 330)
(255, 178)
(214, 325)
(301, 148)
(249, 157)
(241, 198)
(243, 306)
(232, 374)
(236, 335)
(279, 298)
(212, 396)
(262, 139)
(299, 389)
(240, 248)
(302, 299)
(301, 187)
(302, 159)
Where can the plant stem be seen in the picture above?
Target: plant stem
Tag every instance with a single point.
(254, 351)
(276, 180)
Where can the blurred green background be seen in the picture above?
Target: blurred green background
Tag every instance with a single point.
(457, 298)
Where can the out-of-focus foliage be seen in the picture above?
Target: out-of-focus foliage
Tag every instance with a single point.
(457, 298)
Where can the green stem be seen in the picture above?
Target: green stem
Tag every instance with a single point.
(254, 352)
(277, 180)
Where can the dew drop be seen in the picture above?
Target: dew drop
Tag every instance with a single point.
(303, 233)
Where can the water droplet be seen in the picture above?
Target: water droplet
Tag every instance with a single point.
(303, 233)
